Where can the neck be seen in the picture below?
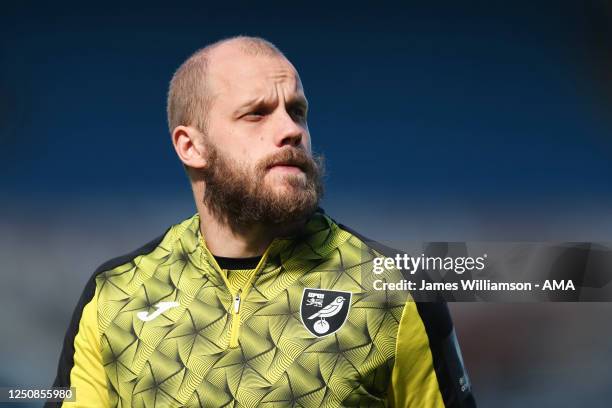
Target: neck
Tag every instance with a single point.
(225, 240)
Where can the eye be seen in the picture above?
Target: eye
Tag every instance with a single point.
(299, 112)
(255, 115)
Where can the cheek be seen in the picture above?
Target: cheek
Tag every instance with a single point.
(242, 145)
(228, 142)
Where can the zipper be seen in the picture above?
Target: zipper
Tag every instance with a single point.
(237, 302)
(239, 295)
(235, 325)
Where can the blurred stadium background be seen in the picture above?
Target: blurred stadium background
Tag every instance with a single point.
(471, 121)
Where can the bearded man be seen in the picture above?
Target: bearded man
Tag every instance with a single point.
(260, 299)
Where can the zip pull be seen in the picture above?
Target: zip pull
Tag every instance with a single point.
(237, 303)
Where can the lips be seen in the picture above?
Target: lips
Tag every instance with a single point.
(286, 169)
(286, 164)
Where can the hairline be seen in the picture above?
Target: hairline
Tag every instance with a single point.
(194, 72)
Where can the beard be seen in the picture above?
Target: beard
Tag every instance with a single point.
(240, 197)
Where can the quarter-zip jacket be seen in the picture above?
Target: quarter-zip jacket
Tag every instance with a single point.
(162, 327)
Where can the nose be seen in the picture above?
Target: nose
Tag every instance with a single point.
(289, 131)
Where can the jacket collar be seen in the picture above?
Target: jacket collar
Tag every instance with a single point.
(319, 237)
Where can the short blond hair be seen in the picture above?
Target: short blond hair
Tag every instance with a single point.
(189, 96)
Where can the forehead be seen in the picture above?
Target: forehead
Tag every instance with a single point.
(232, 73)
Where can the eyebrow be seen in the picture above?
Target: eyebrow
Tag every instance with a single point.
(296, 100)
(251, 102)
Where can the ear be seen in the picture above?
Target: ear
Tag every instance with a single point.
(189, 146)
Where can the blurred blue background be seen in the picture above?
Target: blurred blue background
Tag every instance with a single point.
(454, 121)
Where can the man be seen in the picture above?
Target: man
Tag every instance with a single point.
(260, 299)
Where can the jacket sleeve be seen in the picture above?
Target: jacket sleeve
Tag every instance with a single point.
(80, 364)
(428, 370)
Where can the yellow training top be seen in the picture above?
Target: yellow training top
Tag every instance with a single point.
(164, 327)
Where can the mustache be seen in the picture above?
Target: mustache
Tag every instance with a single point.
(289, 157)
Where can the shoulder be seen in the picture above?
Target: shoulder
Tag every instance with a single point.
(379, 249)
(382, 249)
(431, 307)
(153, 251)
(150, 253)
(117, 263)
(429, 315)
(129, 257)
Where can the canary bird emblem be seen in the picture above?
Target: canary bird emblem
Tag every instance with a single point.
(324, 311)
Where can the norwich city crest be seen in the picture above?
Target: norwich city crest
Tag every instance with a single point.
(323, 312)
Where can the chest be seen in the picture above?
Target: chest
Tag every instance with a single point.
(314, 339)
